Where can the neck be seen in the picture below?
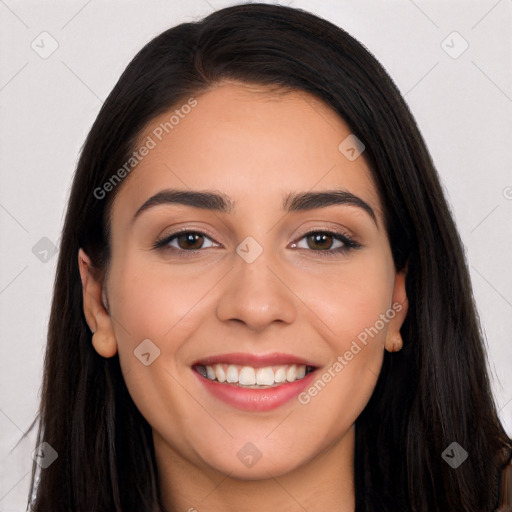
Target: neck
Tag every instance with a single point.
(324, 483)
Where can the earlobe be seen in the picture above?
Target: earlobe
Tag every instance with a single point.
(103, 339)
(96, 308)
(394, 341)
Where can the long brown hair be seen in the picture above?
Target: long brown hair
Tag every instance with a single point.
(432, 393)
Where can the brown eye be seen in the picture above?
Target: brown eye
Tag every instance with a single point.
(322, 241)
(191, 241)
(326, 243)
(185, 241)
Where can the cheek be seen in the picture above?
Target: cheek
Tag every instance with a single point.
(153, 301)
(149, 299)
(354, 311)
(153, 312)
(354, 297)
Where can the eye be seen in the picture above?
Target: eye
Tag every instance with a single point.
(188, 241)
(326, 242)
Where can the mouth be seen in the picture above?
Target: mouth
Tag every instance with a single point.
(254, 382)
(252, 377)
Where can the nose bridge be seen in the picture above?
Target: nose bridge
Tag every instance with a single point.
(254, 295)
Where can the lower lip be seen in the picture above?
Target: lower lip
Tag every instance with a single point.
(249, 399)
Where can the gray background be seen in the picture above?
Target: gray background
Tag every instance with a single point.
(463, 106)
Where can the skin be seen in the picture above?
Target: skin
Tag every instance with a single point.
(254, 145)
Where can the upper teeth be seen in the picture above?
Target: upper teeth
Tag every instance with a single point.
(250, 376)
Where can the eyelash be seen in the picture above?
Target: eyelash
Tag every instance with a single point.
(348, 243)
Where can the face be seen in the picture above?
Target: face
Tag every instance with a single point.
(250, 325)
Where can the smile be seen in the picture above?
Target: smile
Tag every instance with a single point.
(254, 378)
(254, 382)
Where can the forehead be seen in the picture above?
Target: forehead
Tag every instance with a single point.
(250, 142)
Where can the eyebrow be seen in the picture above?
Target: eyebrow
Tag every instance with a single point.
(292, 202)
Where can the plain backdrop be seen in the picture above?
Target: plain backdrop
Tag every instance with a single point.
(450, 59)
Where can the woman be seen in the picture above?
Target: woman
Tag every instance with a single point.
(261, 300)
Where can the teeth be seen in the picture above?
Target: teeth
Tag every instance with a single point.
(210, 372)
(219, 373)
(247, 376)
(280, 375)
(232, 375)
(265, 377)
(254, 377)
(291, 373)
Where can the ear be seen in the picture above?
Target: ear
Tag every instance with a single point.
(394, 342)
(96, 308)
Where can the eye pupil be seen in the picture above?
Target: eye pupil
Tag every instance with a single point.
(190, 239)
(320, 239)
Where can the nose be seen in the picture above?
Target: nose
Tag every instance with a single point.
(257, 294)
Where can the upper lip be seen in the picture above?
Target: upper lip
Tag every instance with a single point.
(255, 360)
